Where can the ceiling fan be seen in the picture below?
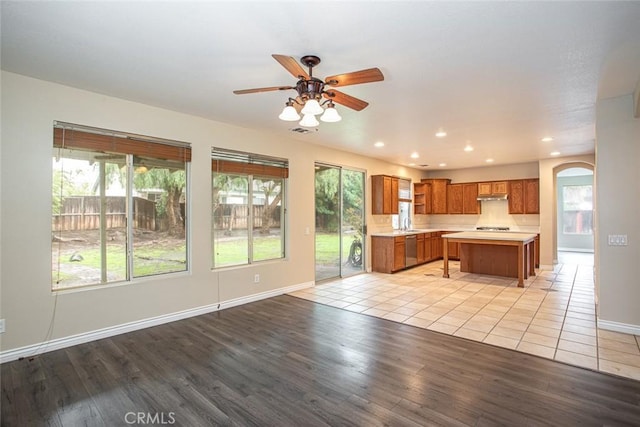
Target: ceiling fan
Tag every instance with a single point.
(311, 90)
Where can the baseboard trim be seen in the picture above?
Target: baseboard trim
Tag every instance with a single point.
(59, 343)
(625, 328)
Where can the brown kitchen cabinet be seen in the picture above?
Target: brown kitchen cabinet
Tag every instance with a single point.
(470, 203)
(438, 194)
(399, 246)
(427, 247)
(524, 196)
(387, 253)
(436, 245)
(463, 199)
(420, 248)
(454, 198)
(453, 250)
(384, 195)
(531, 196)
(421, 198)
(492, 188)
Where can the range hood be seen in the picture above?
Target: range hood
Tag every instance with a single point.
(492, 197)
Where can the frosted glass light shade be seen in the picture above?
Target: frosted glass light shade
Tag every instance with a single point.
(309, 121)
(289, 114)
(330, 115)
(312, 107)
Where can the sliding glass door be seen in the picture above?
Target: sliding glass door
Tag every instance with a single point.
(339, 195)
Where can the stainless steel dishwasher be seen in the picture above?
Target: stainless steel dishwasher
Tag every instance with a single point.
(411, 250)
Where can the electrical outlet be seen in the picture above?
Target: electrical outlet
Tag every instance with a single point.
(617, 240)
(256, 278)
(1, 326)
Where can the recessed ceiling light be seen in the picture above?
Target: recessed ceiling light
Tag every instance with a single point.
(379, 144)
(468, 148)
(489, 160)
(414, 155)
(547, 139)
(441, 133)
(412, 164)
(555, 153)
(442, 165)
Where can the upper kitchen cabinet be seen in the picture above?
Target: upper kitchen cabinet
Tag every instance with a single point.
(438, 194)
(524, 196)
(492, 188)
(384, 195)
(454, 198)
(470, 203)
(463, 199)
(421, 198)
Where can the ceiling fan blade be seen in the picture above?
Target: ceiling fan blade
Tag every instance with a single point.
(355, 78)
(346, 100)
(262, 89)
(291, 65)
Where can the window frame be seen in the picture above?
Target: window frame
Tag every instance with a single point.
(96, 141)
(252, 167)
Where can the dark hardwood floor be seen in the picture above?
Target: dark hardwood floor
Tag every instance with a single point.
(290, 362)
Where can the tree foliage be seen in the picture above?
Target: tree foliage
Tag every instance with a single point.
(173, 184)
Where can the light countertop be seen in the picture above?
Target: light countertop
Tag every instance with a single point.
(492, 235)
(454, 229)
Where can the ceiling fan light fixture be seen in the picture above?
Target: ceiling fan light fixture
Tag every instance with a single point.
(309, 121)
(331, 114)
(289, 113)
(312, 106)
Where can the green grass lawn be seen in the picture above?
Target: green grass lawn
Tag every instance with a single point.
(151, 259)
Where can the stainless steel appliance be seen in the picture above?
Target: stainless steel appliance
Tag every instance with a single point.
(492, 228)
(411, 250)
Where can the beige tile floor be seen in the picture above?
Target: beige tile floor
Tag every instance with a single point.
(553, 316)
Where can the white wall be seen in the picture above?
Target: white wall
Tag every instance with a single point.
(488, 173)
(29, 108)
(618, 204)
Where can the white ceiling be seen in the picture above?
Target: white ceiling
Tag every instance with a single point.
(499, 76)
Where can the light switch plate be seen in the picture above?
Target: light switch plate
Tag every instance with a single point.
(617, 240)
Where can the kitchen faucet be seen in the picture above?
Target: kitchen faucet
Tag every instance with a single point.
(407, 223)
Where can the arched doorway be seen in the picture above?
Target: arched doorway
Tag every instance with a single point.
(574, 209)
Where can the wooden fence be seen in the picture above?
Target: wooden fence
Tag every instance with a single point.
(236, 217)
(83, 213)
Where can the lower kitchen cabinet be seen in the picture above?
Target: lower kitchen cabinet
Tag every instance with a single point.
(387, 253)
(399, 253)
(453, 250)
(436, 245)
(420, 248)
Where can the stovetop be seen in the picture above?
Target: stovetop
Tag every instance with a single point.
(492, 228)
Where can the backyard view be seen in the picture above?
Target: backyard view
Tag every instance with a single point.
(339, 203)
(90, 210)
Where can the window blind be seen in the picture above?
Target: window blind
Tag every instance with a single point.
(74, 136)
(230, 161)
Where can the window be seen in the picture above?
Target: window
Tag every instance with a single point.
(119, 206)
(248, 209)
(577, 209)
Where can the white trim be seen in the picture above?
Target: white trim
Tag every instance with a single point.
(625, 328)
(59, 343)
(636, 101)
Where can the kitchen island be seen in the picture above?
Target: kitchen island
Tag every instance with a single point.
(504, 254)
